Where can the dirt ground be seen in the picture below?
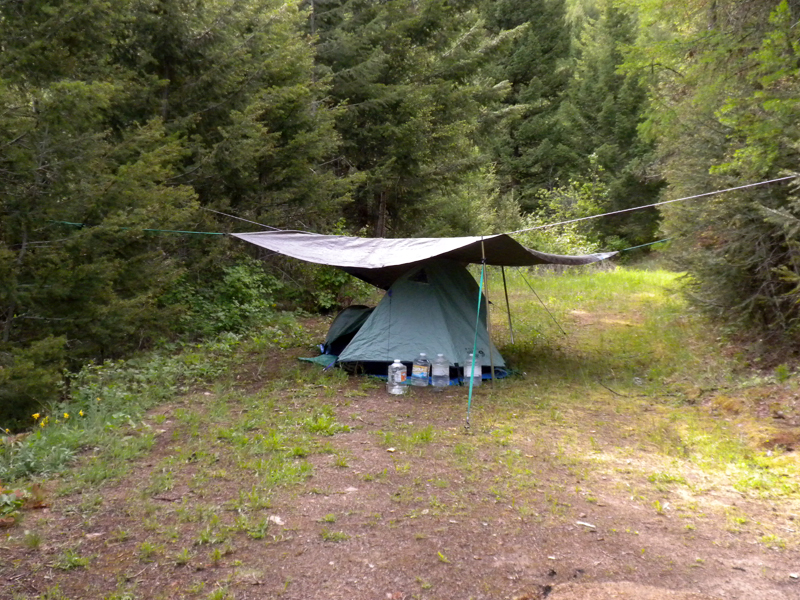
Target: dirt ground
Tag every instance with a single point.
(486, 513)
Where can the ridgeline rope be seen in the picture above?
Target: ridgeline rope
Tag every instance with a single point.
(626, 210)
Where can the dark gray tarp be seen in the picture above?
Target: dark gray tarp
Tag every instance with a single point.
(381, 261)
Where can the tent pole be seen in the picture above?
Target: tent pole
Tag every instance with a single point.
(475, 342)
(508, 306)
(488, 315)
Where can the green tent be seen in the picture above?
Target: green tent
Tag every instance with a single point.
(431, 301)
(432, 309)
(344, 327)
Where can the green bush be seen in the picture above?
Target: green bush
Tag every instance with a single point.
(240, 296)
(30, 378)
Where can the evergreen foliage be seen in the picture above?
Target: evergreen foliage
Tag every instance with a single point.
(604, 108)
(121, 120)
(531, 147)
(407, 76)
(725, 87)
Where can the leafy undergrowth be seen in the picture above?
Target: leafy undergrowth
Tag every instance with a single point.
(627, 447)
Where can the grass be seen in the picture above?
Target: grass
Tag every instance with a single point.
(408, 440)
(630, 338)
(108, 401)
(148, 551)
(70, 559)
(637, 324)
(329, 535)
(612, 408)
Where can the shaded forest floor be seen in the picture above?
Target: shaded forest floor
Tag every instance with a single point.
(280, 481)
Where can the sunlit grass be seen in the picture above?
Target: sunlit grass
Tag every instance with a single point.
(623, 326)
(603, 373)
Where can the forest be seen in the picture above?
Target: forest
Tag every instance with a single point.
(135, 134)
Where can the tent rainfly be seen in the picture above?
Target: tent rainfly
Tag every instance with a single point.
(381, 261)
(430, 305)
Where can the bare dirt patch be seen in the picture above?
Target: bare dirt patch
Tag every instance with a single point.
(406, 504)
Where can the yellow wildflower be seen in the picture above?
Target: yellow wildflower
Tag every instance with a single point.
(36, 416)
(66, 416)
(80, 413)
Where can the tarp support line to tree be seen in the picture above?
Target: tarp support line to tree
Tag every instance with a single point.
(508, 305)
(150, 230)
(543, 304)
(627, 210)
(648, 244)
(241, 219)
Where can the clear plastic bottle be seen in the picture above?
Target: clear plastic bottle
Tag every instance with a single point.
(420, 370)
(440, 372)
(395, 383)
(473, 372)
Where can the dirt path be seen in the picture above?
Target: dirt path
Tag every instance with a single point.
(406, 504)
(427, 529)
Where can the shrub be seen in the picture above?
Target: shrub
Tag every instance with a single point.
(240, 296)
(30, 378)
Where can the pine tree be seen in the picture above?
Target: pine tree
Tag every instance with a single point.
(406, 75)
(533, 149)
(120, 118)
(724, 112)
(235, 78)
(604, 110)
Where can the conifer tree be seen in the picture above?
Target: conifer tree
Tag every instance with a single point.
(406, 75)
(724, 112)
(532, 149)
(235, 77)
(604, 109)
(119, 119)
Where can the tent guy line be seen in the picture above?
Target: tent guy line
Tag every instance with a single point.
(241, 219)
(616, 212)
(626, 210)
(525, 279)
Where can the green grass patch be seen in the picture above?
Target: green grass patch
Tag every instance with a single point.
(107, 402)
(329, 535)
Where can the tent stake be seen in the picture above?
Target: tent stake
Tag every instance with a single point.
(508, 306)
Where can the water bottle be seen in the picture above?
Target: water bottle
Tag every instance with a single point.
(395, 383)
(473, 372)
(420, 370)
(440, 373)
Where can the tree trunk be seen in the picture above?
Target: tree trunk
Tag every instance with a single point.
(13, 307)
(380, 227)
